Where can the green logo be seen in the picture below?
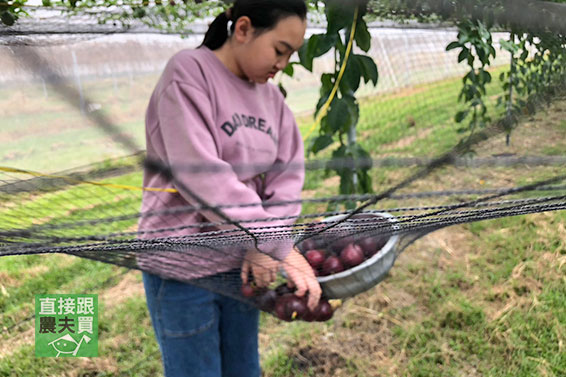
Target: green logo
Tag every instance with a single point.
(66, 325)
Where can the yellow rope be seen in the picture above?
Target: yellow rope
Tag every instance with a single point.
(78, 181)
(326, 105)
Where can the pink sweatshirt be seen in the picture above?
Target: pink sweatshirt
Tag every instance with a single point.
(202, 115)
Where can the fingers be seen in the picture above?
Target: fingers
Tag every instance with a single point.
(314, 294)
(302, 277)
(263, 268)
(245, 271)
(274, 271)
(301, 286)
(305, 283)
(263, 276)
(309, 284)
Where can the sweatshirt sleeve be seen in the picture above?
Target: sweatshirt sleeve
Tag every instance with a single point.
(286, 183)
(186, 126)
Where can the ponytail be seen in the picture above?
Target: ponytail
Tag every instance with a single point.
(264, 15)
(217, 32)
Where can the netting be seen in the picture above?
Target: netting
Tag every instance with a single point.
(57, 197)
(108, 232)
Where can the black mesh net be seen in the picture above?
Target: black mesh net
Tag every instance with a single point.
(94, 211)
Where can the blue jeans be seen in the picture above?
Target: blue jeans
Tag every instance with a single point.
(201, 333)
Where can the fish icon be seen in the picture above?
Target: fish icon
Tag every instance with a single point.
(67, 345)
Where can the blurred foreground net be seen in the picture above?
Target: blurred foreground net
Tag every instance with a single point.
(351, 251)
(94, 212)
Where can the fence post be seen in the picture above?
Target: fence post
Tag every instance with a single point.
(45, 93)
(388, 63)
(78, 80)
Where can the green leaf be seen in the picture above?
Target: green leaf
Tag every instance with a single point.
(325, 90)
(364, 182)
(508, 45)
(324, 43)
(353, 109)
(138, 12)
(317, 45)
(463, 54)
(482, 55)
(282, 90)
(486, 76)
(289, 70)
(484, 33)
(461, 115)
(340, 152)
(339, 117)
(305, 57)
(368, 68)
(8, 18)
(321, 142)
(362, 36)
(363, 158)
(453, 45)
(339, 14)
(499, 101)
(351, 78)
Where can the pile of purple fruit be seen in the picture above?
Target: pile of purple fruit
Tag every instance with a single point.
(344, 252)
(287, 306)
(327, 256)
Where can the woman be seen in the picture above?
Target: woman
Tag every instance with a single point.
(213, 107)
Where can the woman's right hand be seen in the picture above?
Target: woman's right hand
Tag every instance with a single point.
(301, 275)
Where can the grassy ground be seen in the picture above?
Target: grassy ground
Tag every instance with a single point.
(483, 299)
(68, 138)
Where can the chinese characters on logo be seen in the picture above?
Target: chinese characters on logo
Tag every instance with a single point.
(66, 325)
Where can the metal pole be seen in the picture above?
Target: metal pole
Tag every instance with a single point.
(351, 142)
(510, 101)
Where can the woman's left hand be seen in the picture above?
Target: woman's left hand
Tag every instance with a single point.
(264, 268)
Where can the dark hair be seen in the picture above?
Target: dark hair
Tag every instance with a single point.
(264, 15)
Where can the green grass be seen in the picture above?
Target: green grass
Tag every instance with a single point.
(127, 350)
(57, 276)
(68, 138)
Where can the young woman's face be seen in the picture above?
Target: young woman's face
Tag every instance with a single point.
(261, 56)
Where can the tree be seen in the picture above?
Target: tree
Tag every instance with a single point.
(337, 111)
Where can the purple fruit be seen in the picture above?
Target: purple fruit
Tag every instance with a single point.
(371, 245)
(332, 265)
(307, 245)
(266, 301)
(352, 255)
(315, 258)
(281, 309)
(283, 289)
(247, 290)
(340, 243)
(323, 311)
(295, 307)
